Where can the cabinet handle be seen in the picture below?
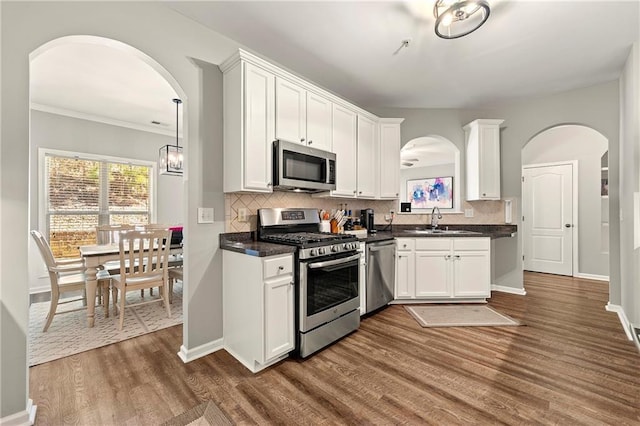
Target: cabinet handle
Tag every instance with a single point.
(354, 191)
(280, 268)
(360, 192)
(301, 139)
(397, 194)
(484, 194)
(404, 245)
(310, 142)
(291, 283)
(268, 183)
(457, 257)
(447, 256)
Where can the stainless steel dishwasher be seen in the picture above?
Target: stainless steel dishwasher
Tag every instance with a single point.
(381, 273)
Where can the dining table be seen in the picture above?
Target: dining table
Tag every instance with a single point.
(96, 255)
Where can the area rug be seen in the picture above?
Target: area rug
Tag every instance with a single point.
(69, 334)
(459, 316)
(205, 414)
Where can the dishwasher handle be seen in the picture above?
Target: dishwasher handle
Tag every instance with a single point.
(380, 246)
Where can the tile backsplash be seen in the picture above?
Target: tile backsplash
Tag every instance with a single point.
(484, 212)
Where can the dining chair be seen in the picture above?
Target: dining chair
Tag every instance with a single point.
(145, 250)
(175, 274)
(67, 275)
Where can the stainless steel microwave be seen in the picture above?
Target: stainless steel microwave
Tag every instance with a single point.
(297, 167)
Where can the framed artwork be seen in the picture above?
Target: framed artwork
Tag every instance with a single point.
(430, 192)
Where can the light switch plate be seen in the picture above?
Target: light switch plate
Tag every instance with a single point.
(205, 214)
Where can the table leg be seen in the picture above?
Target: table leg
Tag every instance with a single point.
(92, 284)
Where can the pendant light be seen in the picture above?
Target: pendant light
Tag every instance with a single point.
(457, 18)
(171, 159)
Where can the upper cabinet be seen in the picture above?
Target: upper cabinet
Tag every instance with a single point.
(263, 102)
(249, 127)
(389, 176)
(367, 158)
(483, 159)
(302, 116)
(344, 133)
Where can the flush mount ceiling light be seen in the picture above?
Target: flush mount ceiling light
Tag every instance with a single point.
(171, 159)
(457, 18)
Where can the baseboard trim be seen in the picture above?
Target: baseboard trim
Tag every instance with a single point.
(505, 289)
(592, 277)
(626, 325)
(22, 418)
(188, 355)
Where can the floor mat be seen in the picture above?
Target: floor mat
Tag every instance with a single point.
(459, 316)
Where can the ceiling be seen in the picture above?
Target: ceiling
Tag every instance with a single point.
(354, 49)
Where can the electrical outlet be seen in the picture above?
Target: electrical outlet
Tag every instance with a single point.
(387, 217)
(242, 214)
(468, 212)
(392, 212)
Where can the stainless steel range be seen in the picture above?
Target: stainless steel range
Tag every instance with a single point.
(327, 276)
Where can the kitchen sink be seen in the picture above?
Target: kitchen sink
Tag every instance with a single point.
(442, 232)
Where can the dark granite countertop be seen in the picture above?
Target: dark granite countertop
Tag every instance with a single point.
(242, 242)
(492, 231)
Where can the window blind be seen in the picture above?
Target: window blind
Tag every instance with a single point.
(83, 193)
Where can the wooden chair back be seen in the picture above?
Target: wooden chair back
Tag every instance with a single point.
(147, 250)
(109, 234)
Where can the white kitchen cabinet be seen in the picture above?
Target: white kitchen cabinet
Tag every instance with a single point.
(249, 127)
(450, 269)
(344, 134)
(258, 300)
(367, 163)
(319, 122)
(302, 116)
(483, 159)
(389, 176)
(405, 268)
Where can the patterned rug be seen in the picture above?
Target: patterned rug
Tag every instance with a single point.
(69, 334)
(459, 316)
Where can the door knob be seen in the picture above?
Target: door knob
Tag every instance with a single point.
(568, 225)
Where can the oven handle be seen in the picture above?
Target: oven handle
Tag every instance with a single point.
(333, 262)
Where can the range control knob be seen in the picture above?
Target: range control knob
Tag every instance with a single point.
(321, 250)
(335, 249)
(312, 252)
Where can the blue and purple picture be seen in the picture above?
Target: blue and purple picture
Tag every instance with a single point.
(431, 192)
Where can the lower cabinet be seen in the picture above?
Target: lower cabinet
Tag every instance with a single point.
(258, 300)
(443, 268)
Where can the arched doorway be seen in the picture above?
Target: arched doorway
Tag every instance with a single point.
(105, 98)
(547, 240)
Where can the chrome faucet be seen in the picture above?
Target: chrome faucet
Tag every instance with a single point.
(434, 218)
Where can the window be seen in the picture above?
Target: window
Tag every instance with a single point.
(82, 191)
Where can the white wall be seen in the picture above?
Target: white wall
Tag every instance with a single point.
(172, 41)
(59, 132)
(628, 297)
(566, 143)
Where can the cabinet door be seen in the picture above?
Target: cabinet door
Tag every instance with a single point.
(489, 157)
(344, 146)
(405, 275)
(318, 122)
(291, 111)
(278, 317)
(433, 274)
(389, 160)
(259, 96)
(367, 156)
(472, 274)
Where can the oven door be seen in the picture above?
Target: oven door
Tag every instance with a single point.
(328, 289)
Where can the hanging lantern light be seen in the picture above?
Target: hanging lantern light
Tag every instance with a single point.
(171, 160)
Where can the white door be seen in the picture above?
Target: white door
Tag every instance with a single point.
(319, 111)
(367, 149)
(291, 112)
(433, 274)
(278, 317)
(547, 203)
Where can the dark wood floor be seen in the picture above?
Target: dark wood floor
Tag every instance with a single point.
(570, 364)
